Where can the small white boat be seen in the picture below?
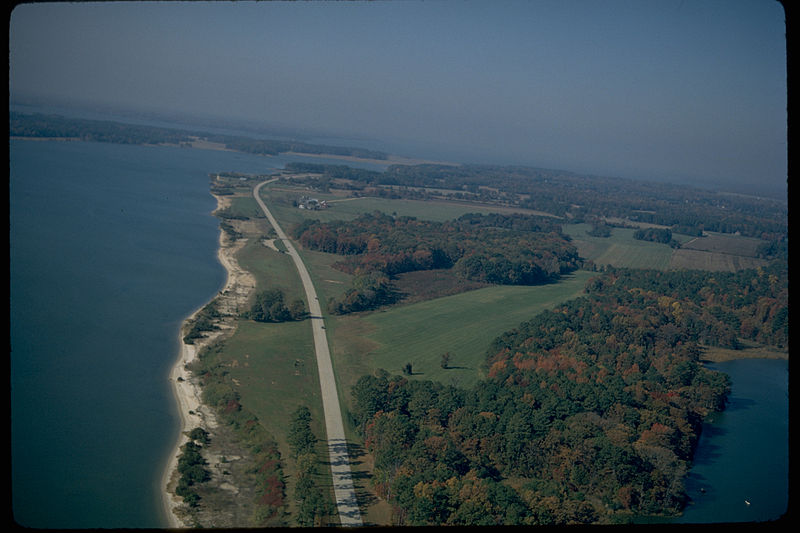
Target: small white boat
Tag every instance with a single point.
(747, 502)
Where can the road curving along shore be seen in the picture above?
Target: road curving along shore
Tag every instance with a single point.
(346, 502)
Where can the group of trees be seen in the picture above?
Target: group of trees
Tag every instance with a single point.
(312, 504)
(716, 308)
(369, 290)
(661, 235)
(202, 322)
(502, 249)
(269, 306)
(192, 467)
(590, 412)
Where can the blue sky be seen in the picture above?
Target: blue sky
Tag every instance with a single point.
(655, 89)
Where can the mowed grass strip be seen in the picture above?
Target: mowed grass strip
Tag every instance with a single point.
(271, 269)
(275, 369)
(463, 324)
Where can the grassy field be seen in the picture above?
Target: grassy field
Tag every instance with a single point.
(463, 324)
(280, 200)
(726, 244)
(620, 249)
(719, 252)
(750, 350)
(716, 252)
(715, 261)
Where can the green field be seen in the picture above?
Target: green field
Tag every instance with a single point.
(464, 325)
(275, 369)
(621, 249)
(280, 200)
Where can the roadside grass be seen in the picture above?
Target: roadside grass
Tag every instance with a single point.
(271, 269)
(245, 206)
(274, 368)
(329, 282)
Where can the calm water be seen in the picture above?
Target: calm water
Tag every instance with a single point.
(112, 246)
(743, 453)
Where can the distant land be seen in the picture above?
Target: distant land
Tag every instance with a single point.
(59, 127)
(275, 139)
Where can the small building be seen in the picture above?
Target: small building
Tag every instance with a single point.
(306, 202)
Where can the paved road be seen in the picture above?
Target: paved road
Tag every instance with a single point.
(349, 514)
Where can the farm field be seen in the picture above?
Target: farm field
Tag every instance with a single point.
(344, 208)
(689, 259)
(620, 249)
(726, 244)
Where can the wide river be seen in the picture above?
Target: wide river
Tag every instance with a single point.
(111, 247)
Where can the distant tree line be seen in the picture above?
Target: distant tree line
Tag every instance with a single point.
(55, 126)
(578, 198)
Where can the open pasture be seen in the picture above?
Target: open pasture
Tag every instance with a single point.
(620, 249)
(281, 201)
(463, 324)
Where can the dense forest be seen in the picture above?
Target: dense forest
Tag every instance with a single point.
(575, 197)
(58, 127)
(501, 249)
(589, 413)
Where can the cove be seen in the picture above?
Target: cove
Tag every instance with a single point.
(740, 471)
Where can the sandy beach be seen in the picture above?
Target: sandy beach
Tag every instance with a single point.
(193, 413)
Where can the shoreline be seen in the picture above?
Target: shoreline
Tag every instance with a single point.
(185, 387)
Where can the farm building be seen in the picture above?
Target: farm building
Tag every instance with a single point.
(307, 202)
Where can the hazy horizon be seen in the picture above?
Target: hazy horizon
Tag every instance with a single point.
(669, 90)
